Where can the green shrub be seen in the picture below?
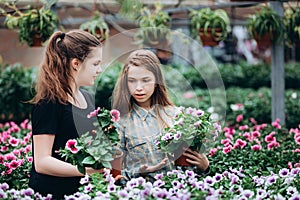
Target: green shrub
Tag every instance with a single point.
(15, 88)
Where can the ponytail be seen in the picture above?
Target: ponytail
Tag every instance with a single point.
(55, 77)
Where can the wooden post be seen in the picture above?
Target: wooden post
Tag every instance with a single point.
(277, 73)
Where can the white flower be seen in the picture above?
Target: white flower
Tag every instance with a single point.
(294, 95)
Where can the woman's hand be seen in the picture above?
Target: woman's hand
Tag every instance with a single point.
(89, 170)
(148, 169)
(198, 159)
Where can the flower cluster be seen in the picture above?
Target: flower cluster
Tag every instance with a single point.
(192, 128)
(15, 153)
(268, 147)
(94, 150)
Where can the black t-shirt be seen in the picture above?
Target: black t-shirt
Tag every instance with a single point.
(65, 122)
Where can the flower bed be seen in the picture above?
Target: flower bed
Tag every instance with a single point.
(248, 161)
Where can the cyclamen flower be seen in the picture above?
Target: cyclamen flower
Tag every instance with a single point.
(72, 146)
(115, 114)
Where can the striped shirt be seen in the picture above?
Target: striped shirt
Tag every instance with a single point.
(139, 130)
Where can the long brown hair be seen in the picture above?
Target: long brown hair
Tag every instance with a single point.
(55, 76)
(122, 99)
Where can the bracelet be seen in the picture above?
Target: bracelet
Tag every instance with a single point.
(200, 172)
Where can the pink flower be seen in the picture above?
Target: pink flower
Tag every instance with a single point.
(188, 95)
(276, 124)
(13, 142)
(242, 128)
(256, 147)
(71, 145)
(297, 150)
(241, 143)
(93, 113)
(255, 134)
(115, 115)
(297, 140)
(15, 164)
(212, 152)
(247, 136)
(253, 121)
(227, 149)
(290, 165)
(273, 144)
(239, 118)
(269, 138)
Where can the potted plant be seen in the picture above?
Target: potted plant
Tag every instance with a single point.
(192, 129)
(96, 26)
(154, 30)
(211, 25)
(266, 27)
(292, 26)
(35, 26)
(97, 150)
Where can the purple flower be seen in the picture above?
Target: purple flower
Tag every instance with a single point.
(111, 187)
(88, 188)
(4, 186)
(178, 135)
(123, 194)
(247, 193)
(209, 180)
(295, 197)
(295, 171)
(27, 192)
(3, 195)
(190, 173)
(198, 123)
(132, 183)
(261, 193)
(258, 181)
(284, 172)
(291, 190)
(158, 183)
(271, 179)
(84, 180)
(145, 193)
(159, 176)
(199, 112)
(218, 177)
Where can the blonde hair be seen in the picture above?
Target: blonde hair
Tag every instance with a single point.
(122, 99)
(55, 77)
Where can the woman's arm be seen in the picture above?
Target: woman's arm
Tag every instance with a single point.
(44, 163)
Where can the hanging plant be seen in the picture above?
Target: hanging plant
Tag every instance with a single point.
(34, 26)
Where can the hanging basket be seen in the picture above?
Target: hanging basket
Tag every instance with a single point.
(264, 40)
(207, 38)
(37, 41)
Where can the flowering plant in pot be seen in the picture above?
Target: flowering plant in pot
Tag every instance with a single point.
(98, 149)
(192, 129)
